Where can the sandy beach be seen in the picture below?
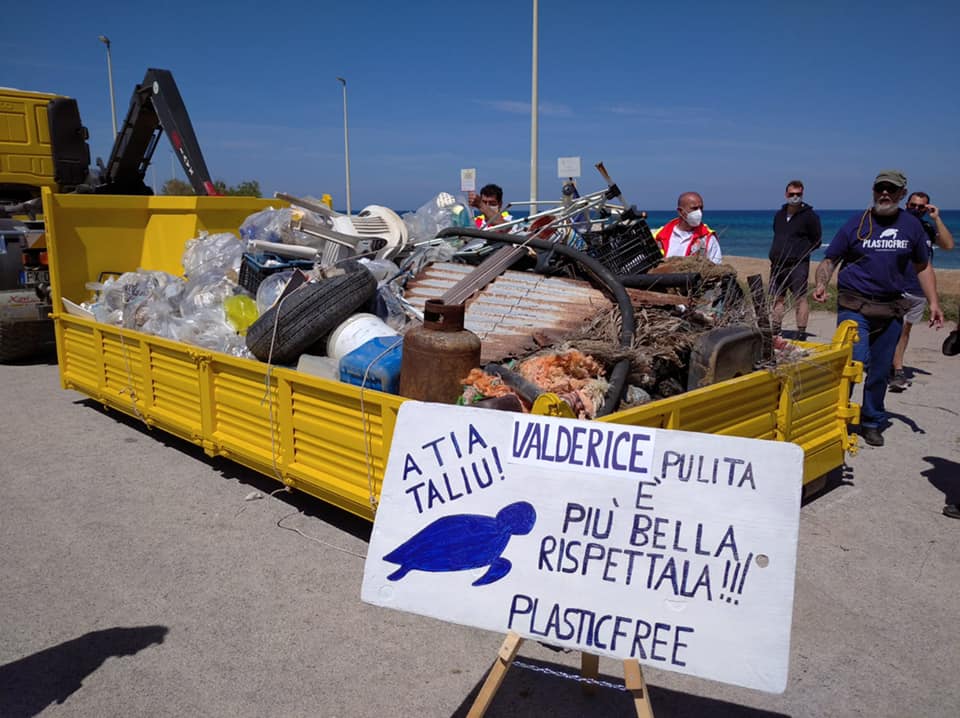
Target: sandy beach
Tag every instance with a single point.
(948, 280)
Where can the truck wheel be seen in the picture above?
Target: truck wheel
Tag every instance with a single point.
(20, 340)
(308, 314)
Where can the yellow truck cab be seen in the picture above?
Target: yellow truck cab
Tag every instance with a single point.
(26, 156)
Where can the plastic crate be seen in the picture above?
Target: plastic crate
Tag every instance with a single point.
(626, 247)
(257, 267)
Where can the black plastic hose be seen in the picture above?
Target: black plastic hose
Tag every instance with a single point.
(684, 281)
(602, 275)
(527, 390)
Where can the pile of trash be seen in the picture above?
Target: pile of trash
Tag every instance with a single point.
(329, 294)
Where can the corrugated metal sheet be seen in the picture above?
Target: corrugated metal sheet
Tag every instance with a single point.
(518, 310)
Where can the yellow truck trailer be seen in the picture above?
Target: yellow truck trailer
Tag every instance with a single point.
(326, 438)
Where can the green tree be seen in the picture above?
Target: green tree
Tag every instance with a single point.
(247, 188)
(176, 187)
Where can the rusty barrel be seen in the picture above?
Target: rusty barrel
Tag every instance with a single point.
(438, 354)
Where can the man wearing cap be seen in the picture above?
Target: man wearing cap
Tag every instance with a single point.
(873, 251)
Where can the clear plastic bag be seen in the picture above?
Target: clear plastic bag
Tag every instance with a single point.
(390, 307)
(208, 328)
(206, 291)
(132, 298)
(427, 254)
(381, 269)
(213, 253)
(276, 225)
(444, 210)
(271, 288)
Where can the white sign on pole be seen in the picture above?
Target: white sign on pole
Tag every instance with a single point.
(669, 547)
(468, 180)
(568, 167)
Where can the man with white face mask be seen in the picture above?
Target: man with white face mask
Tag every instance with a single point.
(688, 235)
(873, 251)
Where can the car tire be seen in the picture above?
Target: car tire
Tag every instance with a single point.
(308, 314)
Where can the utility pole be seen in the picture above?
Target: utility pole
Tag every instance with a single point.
(534, 111)
(113, 105)
(346, 141)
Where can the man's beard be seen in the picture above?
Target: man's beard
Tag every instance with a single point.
(885, 209)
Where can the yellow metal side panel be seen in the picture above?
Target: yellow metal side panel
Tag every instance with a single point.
(122, 366)
(89, 235)
(79, 363)
(174, 396)
(245, 421)
(806, 403)
(341, 441)
(744, 406)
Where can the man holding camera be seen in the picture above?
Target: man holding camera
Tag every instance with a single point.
(918, 204)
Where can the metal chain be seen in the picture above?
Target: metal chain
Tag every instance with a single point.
(569, 676)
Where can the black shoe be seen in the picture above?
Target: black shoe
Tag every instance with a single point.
(952, 510)
(951, 345)
(898, 381)
(872, 435)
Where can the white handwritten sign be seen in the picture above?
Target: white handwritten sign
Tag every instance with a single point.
(468, 180)
(568, 167)
(673, 548)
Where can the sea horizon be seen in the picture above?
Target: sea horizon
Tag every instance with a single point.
(749, 232)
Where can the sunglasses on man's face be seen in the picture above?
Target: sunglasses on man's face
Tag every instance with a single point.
(794, 194)
(883, 187)
(914, 205)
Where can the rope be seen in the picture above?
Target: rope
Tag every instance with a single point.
(569, 676)
(314, 538)
(268, 377)
(130, 388)
(866, 214)
(367, 440)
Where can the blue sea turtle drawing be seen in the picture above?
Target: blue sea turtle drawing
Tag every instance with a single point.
(464, 541)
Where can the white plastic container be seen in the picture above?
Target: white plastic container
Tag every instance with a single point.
(326, 367)
(355, 332)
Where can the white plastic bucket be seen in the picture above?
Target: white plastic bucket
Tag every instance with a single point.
(355, 332)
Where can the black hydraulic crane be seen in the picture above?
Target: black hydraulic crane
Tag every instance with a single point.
(155, 107)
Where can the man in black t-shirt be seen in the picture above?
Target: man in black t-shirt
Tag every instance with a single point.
(796, 233)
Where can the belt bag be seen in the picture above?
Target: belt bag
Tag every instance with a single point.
(871, 309)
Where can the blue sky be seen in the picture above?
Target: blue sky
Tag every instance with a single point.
(729, 99)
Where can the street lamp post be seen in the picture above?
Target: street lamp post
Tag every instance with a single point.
(534, 110)
(346, 141)
(113, 105)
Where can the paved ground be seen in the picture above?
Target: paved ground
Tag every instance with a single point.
(137, 580)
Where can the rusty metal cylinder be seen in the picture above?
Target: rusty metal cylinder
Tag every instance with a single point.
(438, 355)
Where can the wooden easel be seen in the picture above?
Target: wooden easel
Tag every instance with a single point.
(589, 668)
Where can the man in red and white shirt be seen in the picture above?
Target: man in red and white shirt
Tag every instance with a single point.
(687, 235)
